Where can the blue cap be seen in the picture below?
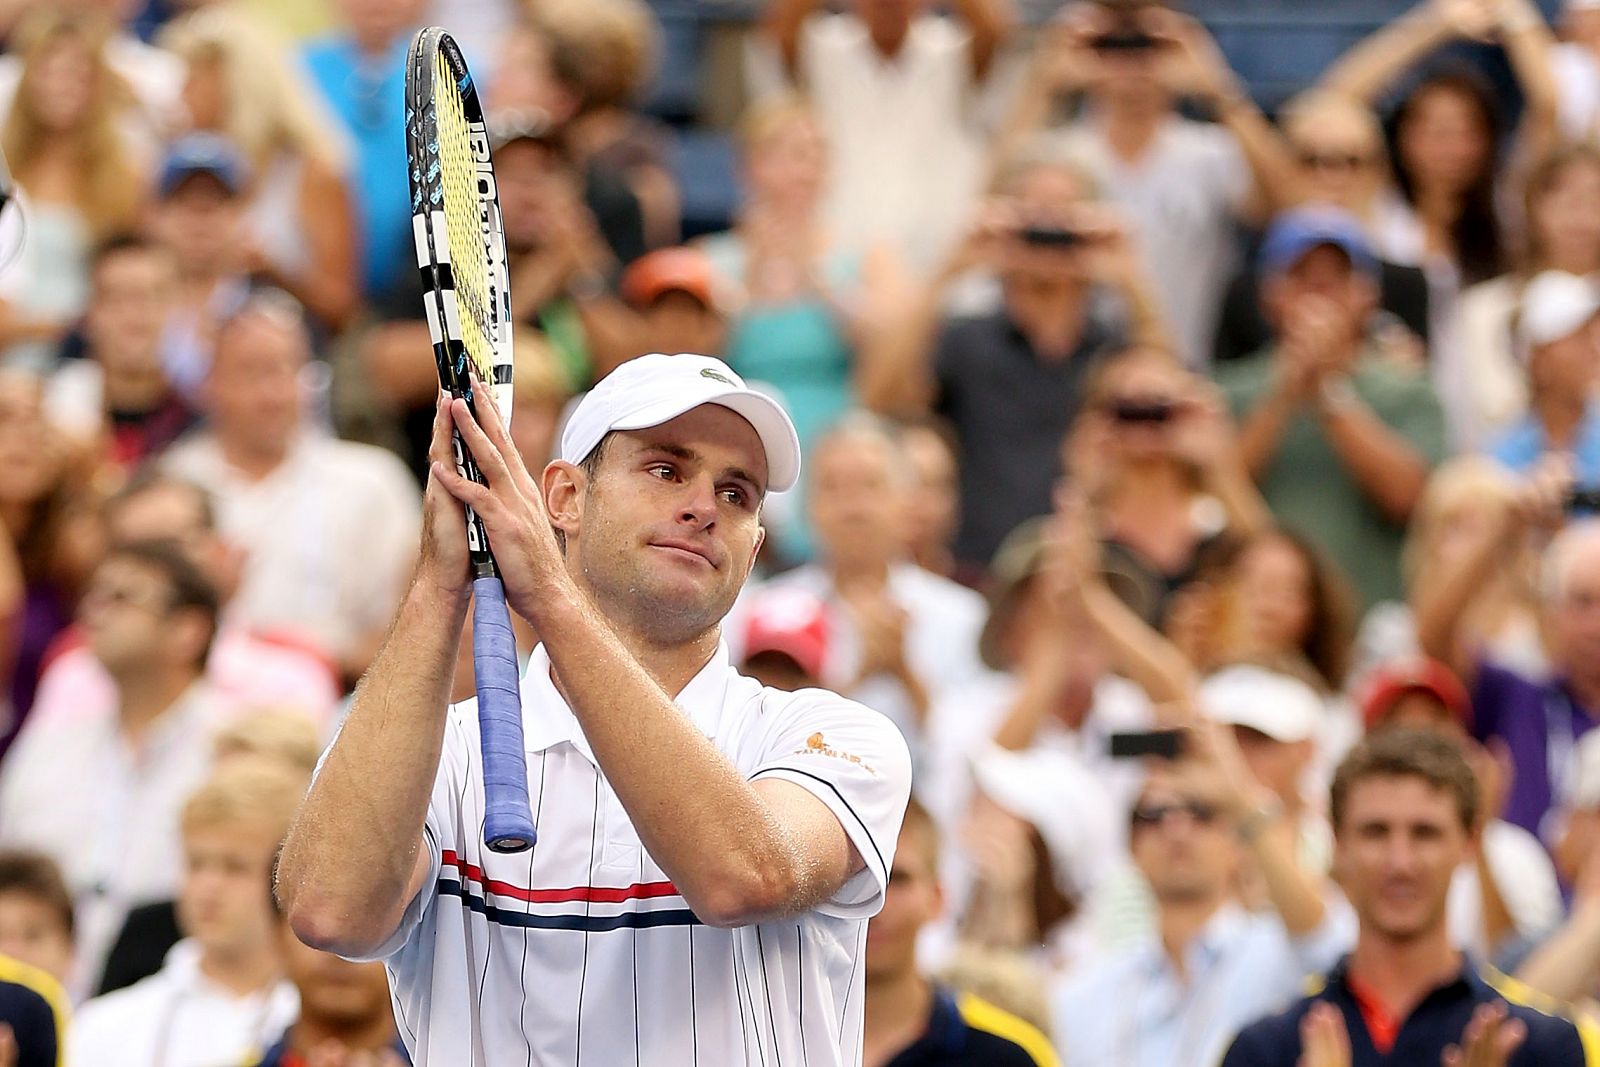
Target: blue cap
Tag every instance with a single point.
(202, 153)
(1294, 233)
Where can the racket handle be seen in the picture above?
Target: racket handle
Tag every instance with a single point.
(507, 818)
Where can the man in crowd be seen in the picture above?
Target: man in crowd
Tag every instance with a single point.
(1339, 439)
(36, 917)
(100, 791)
(326, 525)
(893, 86)
(785, 639)
(1404, 809)
(220, 996)
(911, 1021)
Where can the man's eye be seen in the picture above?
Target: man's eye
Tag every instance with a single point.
(662, 470)
(735, 497)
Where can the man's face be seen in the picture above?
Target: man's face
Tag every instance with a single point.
(254, 385)
(167, 512)
(1324, 281)
(1340, 157)
(133, 291)
(677, 321)
(222, 901)
(533, 184)
(31, 932)
(126, 613)
(911, 902)
(1048, 197)
(1566, 367)
(855, 498)
(668, 529)
(933, 503)
(333, 992)
(1180, 842)
(1395, 851)
(1572, 615)
(200, 222)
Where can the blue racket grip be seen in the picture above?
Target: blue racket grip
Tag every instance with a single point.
(507, 818)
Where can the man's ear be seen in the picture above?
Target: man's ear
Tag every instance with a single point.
(564, 485)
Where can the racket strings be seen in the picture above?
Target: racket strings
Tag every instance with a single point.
(459, 183)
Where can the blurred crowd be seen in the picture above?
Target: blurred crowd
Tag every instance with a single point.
(1211, 497)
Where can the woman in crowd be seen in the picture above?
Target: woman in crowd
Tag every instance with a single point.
(302, 234)
(67, 146)
(1562, 232)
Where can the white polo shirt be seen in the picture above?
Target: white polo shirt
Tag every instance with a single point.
(581, 951)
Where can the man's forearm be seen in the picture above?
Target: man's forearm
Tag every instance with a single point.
(1567, 965)
(1262, 429)
(347, 863)
(989, 22)
(1383, 463)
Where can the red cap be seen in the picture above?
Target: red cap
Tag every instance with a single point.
(682, 269)
(1414, 674)
(790, 621)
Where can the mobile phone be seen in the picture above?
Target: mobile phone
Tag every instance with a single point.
(1584, 498)
(1050, 236)
(1162, 744)
(1143, 411)
(1124, 40)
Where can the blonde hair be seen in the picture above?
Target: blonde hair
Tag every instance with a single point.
(1043, 155)
(110, 184)
(287, 735)
(269, 108)
(769, 114)
(1457, 484)
(1312, 104)
(604, 49)
(255, 790)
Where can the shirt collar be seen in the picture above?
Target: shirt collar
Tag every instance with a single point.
(1467, 979)
(1220, 931)
(548, 720)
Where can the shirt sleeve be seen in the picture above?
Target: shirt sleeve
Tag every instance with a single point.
(853, 760)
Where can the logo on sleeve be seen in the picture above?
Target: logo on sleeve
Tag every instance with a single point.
(816, 745)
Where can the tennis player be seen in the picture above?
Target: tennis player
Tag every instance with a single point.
(709, 850)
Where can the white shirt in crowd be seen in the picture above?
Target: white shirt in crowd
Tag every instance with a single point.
(1525, 878)
(943, 621)
(1182, 198)
(1133, 1009)
(581, 951)
(178, 1017)
(74, 788)
(906, 160)
(329, 536)
(1577, 74)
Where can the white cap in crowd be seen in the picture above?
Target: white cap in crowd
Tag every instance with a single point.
(657, 388)
(1278, 705)
(1555, 305)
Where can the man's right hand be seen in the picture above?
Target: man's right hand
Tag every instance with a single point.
(1324, 1041)
(443, 560)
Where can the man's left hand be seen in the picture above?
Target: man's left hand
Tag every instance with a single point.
(1489, 1040)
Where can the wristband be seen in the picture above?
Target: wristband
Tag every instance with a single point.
(1248, 826)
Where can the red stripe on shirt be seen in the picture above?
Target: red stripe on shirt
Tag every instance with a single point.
(582, 893)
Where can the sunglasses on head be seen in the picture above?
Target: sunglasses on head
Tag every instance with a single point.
(1156, 814)
(1333, 160)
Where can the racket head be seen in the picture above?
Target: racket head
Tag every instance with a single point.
(456, 223)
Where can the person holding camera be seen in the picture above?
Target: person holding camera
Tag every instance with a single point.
(1010, 379)
(1339, 437)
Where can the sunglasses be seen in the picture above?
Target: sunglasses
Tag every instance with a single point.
(1333, 160)
(1157, 814)
(115, 596)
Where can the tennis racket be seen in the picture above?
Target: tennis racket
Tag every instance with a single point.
(461, 251)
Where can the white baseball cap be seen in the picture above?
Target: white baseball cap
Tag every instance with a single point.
(1554, 305)
(657, 388)
(1282, 707)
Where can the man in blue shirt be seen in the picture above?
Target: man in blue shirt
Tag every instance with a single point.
(1403, 806)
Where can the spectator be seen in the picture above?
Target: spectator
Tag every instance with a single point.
(283, 734)
(1338, 146)
(100, 792)
(199, 219)
(899, 637)
(1350, 474)
(1508, 888)
(1539, 717)
(337, 567)
(1154, 453)
(128, 403)
(785, 639)
(912, 1021)
(1182, 184)
(1442, 214)
(1562, 234)
(681, 302)
(220, 996)
(601, 54)
(1558, 342)
(1011, 380)
(894, 86)
(933, 503)
(33, 1017)
(1404, 809)
(344, 1015)
(359, 71)
(36, 918)
(247, 668)
(300, 235)
(1178, 995)
(63, 142)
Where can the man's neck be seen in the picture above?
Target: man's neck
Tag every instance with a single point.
(1130, 127)
(367, 1035)
(242, 973)
(1402, 972)
(897, 1013)
(1051, 319)
(252, 460)
(135, 391)
(890, 45)
(671, 666)
(1560, 416)
(859, 573)
(145, 697)
(1181, 922)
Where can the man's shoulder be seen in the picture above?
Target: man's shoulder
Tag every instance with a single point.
(1553, 1035)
